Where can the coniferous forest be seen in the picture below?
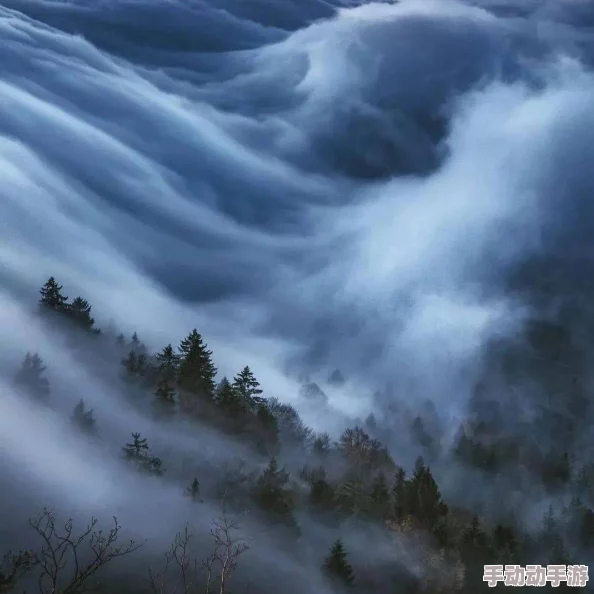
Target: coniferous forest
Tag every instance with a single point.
(332, 513)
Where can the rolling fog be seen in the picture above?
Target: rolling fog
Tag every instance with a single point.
(313, 185)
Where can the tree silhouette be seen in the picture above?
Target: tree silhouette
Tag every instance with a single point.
(337, 565)
(248, 386)
(138, 454)
(84, 419)
(52, 298)
(31, 379)
(196, 370)
(79, 311)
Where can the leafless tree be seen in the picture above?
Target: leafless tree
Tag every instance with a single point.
(219, 565)
(177, 555)
(67, 562)
(222, 562)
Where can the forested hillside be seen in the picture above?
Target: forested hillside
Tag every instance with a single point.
(524, 447)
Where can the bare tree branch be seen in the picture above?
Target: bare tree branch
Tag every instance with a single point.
(178, 555)
(219, 565)
(222, 562)
(62, 550)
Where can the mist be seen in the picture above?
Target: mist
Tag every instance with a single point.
(388, 189)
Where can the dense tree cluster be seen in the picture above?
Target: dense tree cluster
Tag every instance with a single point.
(354, 478)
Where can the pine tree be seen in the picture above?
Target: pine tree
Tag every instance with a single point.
(399, 496)
(379, 497)
(167, 369)
(137, 449)
(248, 386)
(79, 311)
(196, 371)
(139, 455)
(168, 364)
(84, 419)
(229, 399)
(30, 378)
(475, 550)
(321, 495)
(551, 538)
(52, 298)
(136, 365)
(424, 497)
(272, 493)
(337, 565)
(193, 491)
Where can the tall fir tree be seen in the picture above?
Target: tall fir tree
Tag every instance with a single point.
(79, 311)
(424, 498)
(166, 374)
(272, 492)
(337, 566)
(196, 371)
(230, 400)
(84, 419)
(139, 455)
(136, 365)
(379, 496)
(31, 378)
(52, 298)
(400, 507)
(321, 495)
(248, 386)
(168, 364)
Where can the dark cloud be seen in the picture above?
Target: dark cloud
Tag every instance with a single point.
(312, 184)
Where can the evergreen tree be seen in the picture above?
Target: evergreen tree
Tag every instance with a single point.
(400, 505)
(350, 497)
(139, 455)
(83, 418)
(337, 565)
(248, 386)
(30, 378)
(52, 298)
(551, 538)
(379, 498)
(475, 550)
(321, 495)
(272, 493)
(193, 491)
(168, 364)
(229, 399)
(196, 371)
(424, 498)
(79, 311)
(167, 369)
(136, 365)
